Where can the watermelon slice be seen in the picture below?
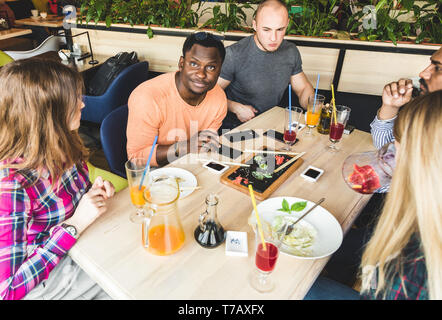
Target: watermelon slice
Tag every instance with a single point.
(364, 179)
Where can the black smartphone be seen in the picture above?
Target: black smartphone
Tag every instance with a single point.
(348, 129)
(229, 152)
(241, 135)
(276, 135)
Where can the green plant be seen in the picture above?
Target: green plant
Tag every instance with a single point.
(388, 26)
(428, 21)
(168, 13)
(230, 19)
(313, 19)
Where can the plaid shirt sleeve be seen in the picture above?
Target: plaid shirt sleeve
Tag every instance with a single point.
(382, 131)
(21, 271)
(411, 283)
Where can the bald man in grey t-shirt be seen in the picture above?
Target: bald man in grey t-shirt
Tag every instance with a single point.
(258, 69)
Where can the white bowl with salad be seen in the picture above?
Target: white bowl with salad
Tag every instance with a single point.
(316, 236)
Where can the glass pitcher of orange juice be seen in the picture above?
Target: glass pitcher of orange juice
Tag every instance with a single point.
(162, 232)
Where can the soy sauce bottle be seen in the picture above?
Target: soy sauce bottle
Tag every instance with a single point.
(210, 233)
(324, 120)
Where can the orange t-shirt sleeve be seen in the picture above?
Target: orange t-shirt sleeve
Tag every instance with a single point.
(221, 112)
(142, 125)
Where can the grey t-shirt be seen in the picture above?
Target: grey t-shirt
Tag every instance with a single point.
(257, 77)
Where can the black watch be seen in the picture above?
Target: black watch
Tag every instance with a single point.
(70, 229)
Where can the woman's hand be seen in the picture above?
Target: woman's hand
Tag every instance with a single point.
(92, 205)
(107, 186)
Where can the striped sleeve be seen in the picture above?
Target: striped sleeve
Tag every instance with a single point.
(382, 131)
(20, 270)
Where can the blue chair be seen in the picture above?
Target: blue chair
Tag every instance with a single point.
(113, 139)
(117, 94)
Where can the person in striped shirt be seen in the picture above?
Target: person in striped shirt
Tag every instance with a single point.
(397, 94)
(46, 198)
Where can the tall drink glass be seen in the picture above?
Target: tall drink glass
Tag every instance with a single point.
(291, 125)
(314, 108)
(265, 261)
(337, 125)
(134, 172)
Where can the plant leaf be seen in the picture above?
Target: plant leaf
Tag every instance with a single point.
(285, 205)
(298, 206)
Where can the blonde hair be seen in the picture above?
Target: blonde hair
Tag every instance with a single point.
(38, 101)
(414, 203)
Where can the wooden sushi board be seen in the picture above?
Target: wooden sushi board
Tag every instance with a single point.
(270, 189)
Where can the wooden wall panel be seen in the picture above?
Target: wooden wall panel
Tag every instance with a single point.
(368, 72)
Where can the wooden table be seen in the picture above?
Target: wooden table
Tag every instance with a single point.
(51, 21)
(13, 32)
(110, 250)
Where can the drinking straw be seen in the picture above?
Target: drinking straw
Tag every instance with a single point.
(257, 218)
(290, 108)
(316, 92)
(148, 161)
(334, 105)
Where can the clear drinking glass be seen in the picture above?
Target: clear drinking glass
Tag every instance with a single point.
(337, 125)
(314, 108)
(265, 260)
(291, 125)
(134, 171)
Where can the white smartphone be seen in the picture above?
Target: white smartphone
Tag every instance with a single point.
(215, 167)
(312, 173)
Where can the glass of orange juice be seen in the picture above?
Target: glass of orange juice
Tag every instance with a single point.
(314, 107)
(134, 172)
(162, 232)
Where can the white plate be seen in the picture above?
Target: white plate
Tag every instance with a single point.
(188, 180)
(329, 231)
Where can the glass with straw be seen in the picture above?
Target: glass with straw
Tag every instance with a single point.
(136, 170)
(314, 107)
(339, 118)
(291, 123)
(267, 252)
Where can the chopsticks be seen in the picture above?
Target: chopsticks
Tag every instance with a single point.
(227, 162)
(271, 152)
(289, 162)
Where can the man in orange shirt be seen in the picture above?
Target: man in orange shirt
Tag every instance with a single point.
(184, 108)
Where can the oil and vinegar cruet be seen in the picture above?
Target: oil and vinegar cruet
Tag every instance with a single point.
(210, 233)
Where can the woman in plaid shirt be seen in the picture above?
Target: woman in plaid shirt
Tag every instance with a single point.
(403, 258)
(43, 178)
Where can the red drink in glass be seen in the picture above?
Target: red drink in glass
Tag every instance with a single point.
(336, 131)
(289, 136)
(266, 259)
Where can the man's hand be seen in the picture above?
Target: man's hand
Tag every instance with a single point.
(243, 112)
(204, 141)
(394, 96)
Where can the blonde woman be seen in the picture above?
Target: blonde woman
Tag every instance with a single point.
(46, 198)
(403, 259)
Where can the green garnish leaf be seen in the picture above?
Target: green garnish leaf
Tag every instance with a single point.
(298, 206)
(285, 205)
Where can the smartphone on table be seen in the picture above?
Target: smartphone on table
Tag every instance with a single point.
(241, 135)
(277, 135)
(229, 152)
